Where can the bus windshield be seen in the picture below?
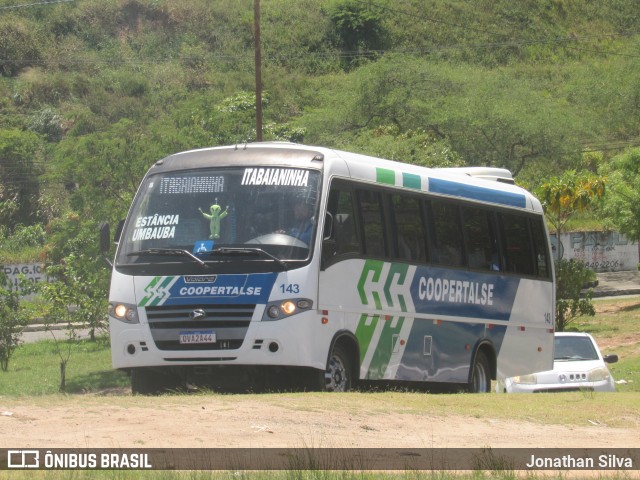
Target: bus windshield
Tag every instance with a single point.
(222, 215)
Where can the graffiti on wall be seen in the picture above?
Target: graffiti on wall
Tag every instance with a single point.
(34, 272)
(600, 251)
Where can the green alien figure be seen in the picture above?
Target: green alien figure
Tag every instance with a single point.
(215, 217)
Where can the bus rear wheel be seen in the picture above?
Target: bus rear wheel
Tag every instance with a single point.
(480, 375)
(338, 376)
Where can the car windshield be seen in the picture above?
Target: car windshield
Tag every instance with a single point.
(254, 215)
(574, 348)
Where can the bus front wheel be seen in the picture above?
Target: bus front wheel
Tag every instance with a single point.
(480, 375)
(338, 376)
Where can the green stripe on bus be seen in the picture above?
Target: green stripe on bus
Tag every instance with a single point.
(387, 176)
(401, 270)
(150, 290)
(376, 267)
(410, 180)
(160, 293)
(384, 349)
(155, 291)
(364, 333)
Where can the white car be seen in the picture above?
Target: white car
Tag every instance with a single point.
(578, 366)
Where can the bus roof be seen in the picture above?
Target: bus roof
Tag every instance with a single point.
(481, 184)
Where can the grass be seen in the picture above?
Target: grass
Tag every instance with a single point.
(33, 378)
(10, 256)
(616, 328)
(34, 372)
(34, 369)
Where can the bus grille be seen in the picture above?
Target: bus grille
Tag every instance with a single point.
(229, 323)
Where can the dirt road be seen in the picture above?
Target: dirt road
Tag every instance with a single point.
(289, 420)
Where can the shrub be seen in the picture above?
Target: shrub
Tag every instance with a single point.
(18, 48)
(571, 276)
(23, 237)
(12, 318)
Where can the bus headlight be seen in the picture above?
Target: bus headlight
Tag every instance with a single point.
(286, 308)
(124, 312)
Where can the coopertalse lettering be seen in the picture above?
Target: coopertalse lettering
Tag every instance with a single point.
(455, 291)
(221, 290)
(286, 177)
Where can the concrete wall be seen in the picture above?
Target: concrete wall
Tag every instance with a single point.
(32, 271)
(601, 251)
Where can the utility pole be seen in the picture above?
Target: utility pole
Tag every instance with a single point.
(256, 25)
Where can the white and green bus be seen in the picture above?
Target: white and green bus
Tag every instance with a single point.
(261, 260)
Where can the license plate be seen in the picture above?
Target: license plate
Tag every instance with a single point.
(205, 336)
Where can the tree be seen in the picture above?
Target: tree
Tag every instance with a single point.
(12, 318)
(571, 276)
(69, 305)
(18, 176)
(357, 28)
(19, 47)
(417, 147)
(568, 194)
(622, 204)
(102, 170)
(77, 296)
(72, 248)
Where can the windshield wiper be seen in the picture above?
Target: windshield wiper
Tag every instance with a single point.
(177, 252)
(247, 251)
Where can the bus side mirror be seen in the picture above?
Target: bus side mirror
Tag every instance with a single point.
(105, 241)
(105, 237)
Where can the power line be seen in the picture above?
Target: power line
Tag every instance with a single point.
(339, 54)
(25, 5)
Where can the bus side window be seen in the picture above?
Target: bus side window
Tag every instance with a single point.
(480, 239)
(344, 237)
(409, 228)
(540, 244)
(517, 243)
(446, 237)
(373, 226)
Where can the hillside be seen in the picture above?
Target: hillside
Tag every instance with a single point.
(92, 92)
